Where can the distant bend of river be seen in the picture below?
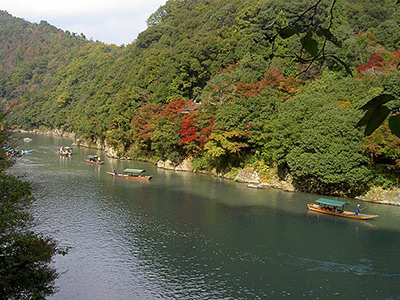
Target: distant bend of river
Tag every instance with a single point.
(192, 236)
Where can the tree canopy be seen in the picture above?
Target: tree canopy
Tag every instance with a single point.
(213, 81)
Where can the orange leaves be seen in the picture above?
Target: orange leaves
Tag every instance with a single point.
(143, 121)
(286, 87)
(344, 103)
(176, 108)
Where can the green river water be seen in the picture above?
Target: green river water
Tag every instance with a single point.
(194, 236)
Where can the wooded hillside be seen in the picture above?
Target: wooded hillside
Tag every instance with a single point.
(204, 82)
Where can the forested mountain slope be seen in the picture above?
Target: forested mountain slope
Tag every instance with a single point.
(251, 109)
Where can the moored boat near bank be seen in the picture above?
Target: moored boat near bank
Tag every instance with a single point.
(336, 208)
(94, 159)
(132, 174)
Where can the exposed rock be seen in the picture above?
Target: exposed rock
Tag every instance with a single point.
(247, 175)
(96, 144)
(379, 195)
(186, 165)
(255, 186)
(52, 132)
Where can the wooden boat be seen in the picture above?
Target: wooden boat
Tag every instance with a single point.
(65, 151)
(336, 208)
(132, 174)
(94, 159)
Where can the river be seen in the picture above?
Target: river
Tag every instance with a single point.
(193, 236)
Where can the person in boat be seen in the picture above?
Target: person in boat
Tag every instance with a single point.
(115, 172)
(357, 209)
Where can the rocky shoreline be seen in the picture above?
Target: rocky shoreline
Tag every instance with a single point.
(245, 175)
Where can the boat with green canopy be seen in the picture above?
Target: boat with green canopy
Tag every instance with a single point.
(94, 159)
(131, 174)
(336, 208)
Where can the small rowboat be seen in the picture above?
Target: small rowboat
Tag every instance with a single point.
(94, 159)
(336, 208)
(132, 174)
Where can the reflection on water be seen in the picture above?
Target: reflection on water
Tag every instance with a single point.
(192, 236)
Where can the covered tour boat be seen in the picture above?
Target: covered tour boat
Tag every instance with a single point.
(132, 174)
(336, 208)
(94, 159)
(65, 151)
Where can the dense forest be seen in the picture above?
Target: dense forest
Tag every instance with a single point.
(204, 82)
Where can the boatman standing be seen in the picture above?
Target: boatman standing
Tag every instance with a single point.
(358, 209)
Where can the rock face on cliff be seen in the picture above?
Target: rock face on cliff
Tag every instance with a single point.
(379, 195)
(247, 175)
(52, 132)
(244, 175)
(186, 165)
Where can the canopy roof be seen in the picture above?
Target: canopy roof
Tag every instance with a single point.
(134, 171)
(91, 156)
(331, 202)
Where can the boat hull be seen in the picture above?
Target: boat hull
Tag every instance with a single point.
(344, 214)
(94, 162)
(64, 154)
(131, 177)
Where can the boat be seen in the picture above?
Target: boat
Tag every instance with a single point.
(94, 159)
(132, 174)
(13, 152)
(336, 208)
(65, 151)
(26, 151)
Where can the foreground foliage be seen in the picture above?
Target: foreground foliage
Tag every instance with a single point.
(25, 257)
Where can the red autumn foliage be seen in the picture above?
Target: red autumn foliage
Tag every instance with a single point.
(205, 132)
(193, 136)
(273, 79)
(176, 108)
(375, 61)
(143, 121)
(188, 130)
(379, 64)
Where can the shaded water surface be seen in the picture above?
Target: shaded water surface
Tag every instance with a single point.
(191, 236)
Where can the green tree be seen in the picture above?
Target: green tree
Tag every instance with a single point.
(25, 257)
(224, 149)
(316, 140)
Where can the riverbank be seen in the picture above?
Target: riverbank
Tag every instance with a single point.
(245, 175)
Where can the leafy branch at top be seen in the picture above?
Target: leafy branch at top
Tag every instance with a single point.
(313, 37)
(307, 27)
(377, 112)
